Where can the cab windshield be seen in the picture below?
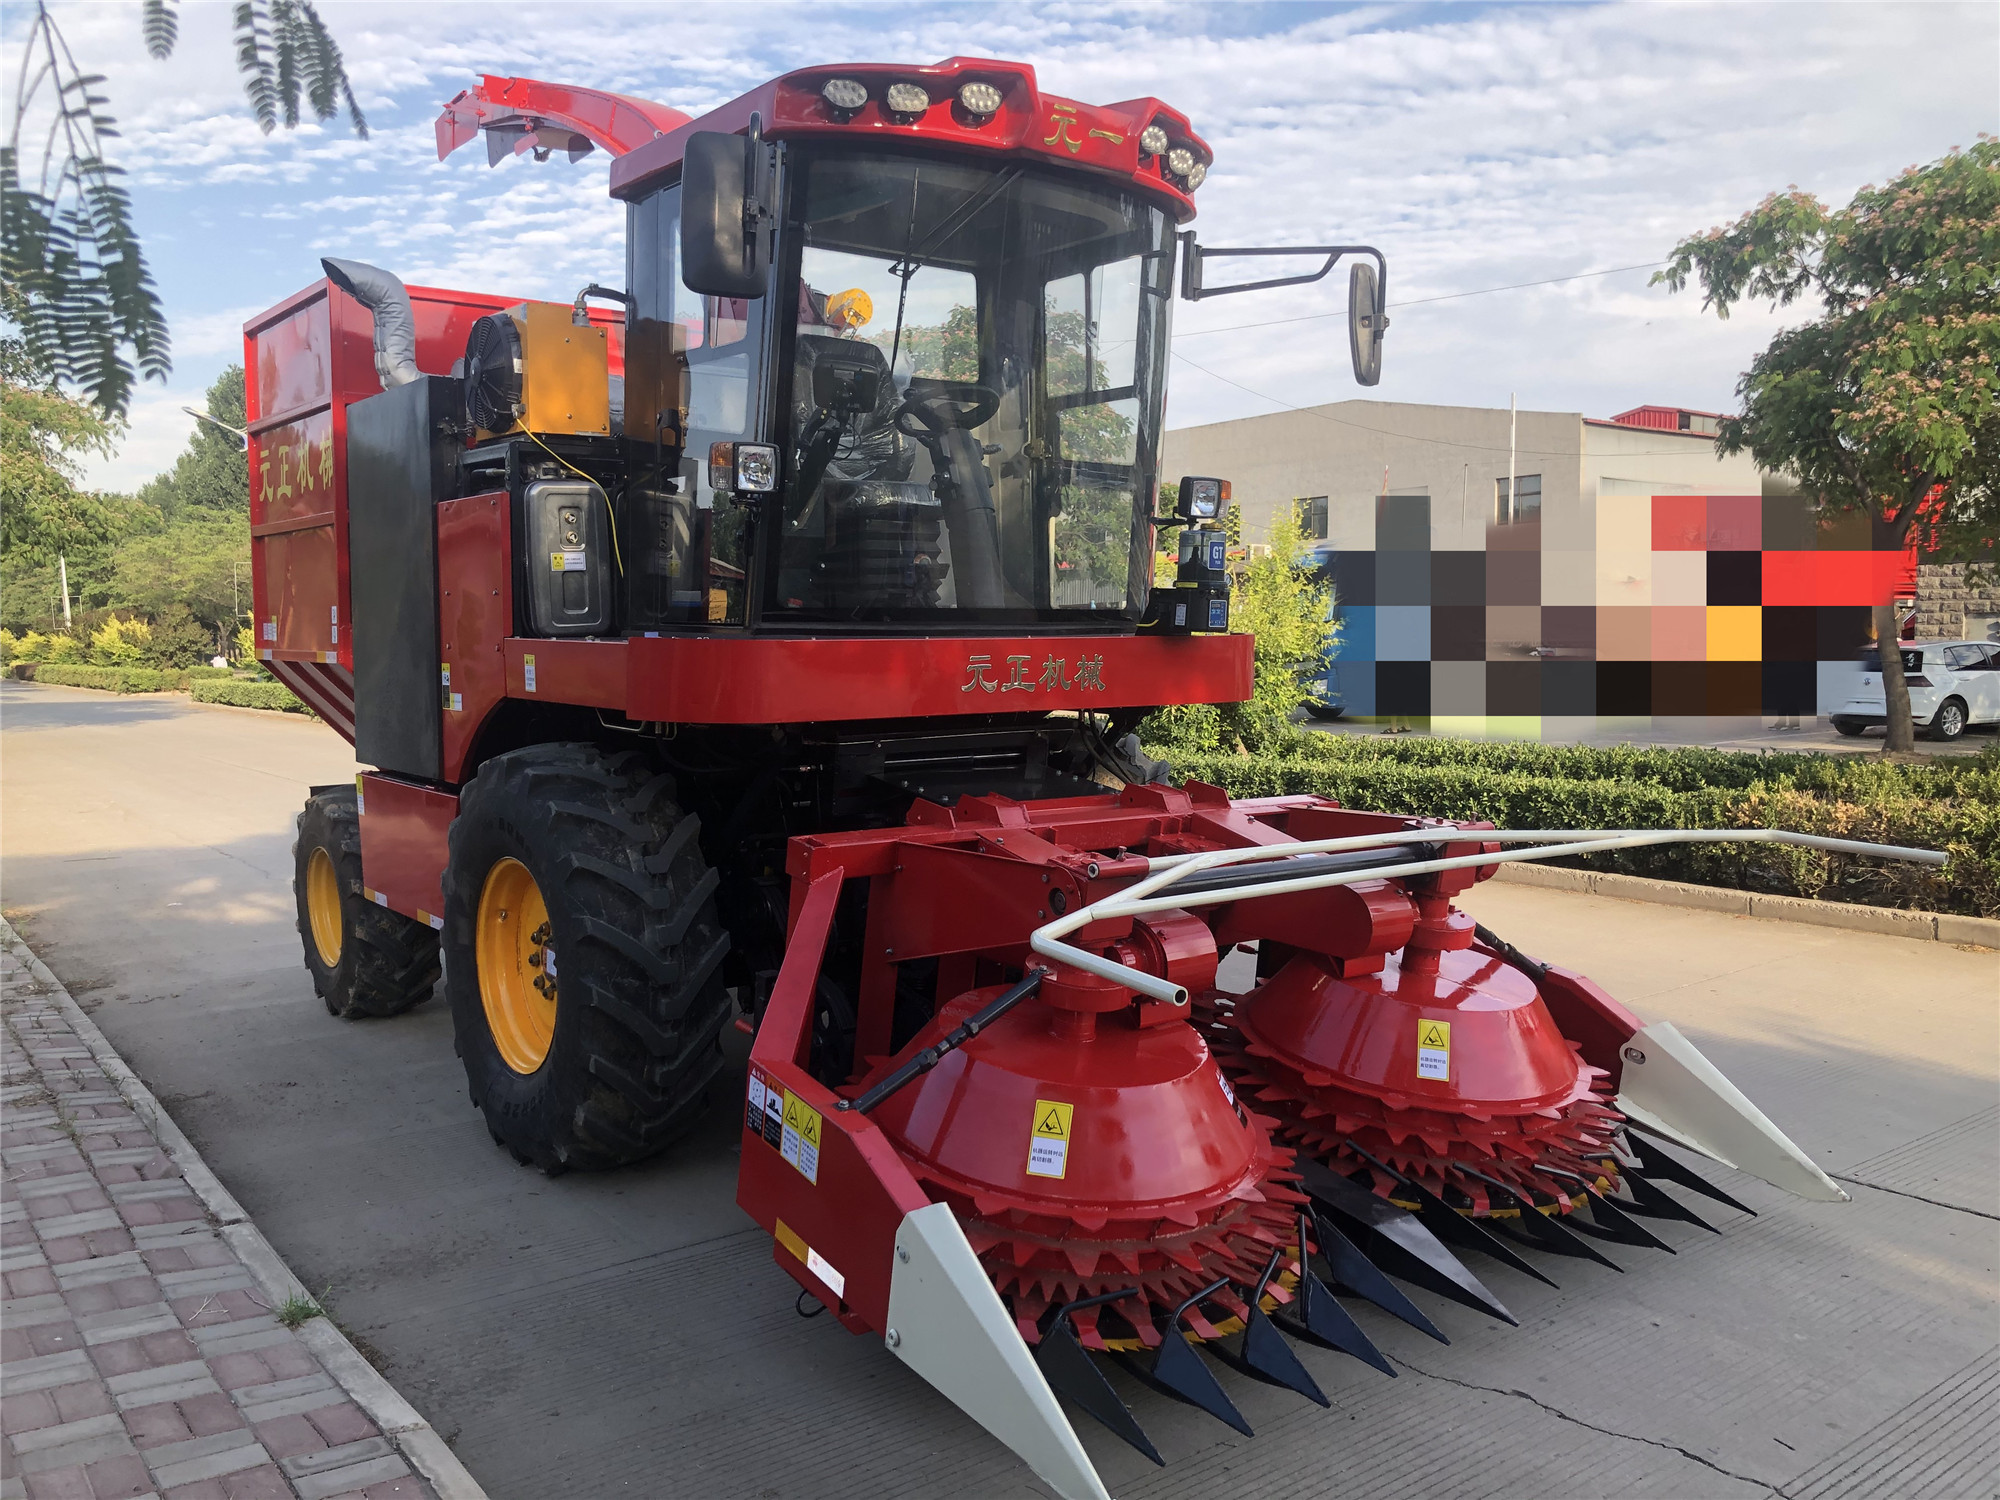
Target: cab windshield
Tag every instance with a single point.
(975, 386)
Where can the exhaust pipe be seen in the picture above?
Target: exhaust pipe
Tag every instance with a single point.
(384, 295)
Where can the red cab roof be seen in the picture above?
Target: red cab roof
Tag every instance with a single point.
(1029, 123)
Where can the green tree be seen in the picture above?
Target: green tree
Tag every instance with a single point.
(44, 436)
(1888, 402)
(70, 258)
(200, 562)
(210, 474)
(178, 639)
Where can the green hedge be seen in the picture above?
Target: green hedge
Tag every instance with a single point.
(209, 674)
(273, 695)
(110, 679)
(1951, 804)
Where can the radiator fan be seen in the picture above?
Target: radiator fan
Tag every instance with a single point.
(493, 373)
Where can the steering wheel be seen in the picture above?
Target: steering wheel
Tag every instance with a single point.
(939, 406)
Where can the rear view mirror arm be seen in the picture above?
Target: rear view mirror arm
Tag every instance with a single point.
(1194, 255)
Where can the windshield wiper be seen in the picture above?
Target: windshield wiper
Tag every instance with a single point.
(913, 260)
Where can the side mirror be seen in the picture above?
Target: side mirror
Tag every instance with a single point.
(1366, 322)
(725, 249)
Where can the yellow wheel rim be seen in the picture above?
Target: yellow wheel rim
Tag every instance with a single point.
(323, 906)
(517, 972)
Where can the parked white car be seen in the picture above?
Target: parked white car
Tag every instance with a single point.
(1953, 684)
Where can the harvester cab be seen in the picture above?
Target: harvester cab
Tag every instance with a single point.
(762, 642)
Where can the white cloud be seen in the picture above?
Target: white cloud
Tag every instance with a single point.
(1478, 147)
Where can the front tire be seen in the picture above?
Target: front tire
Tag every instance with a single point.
(583, 956)
(1948, 723)
(365, 960)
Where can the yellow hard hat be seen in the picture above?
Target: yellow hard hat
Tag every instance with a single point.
(849, 309)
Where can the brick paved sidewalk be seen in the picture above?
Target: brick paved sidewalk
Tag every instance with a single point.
(140, 1356)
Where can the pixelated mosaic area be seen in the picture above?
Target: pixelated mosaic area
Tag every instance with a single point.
(1685, 606)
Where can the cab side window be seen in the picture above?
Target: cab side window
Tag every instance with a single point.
(691, 369)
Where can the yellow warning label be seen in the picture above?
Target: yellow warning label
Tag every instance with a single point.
(1048, 1145)
(1434, 1049)
(799, 1143)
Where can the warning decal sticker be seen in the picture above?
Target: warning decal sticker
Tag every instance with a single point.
(753, 1117)
(821, 1267)
(1048, 1144)
(1434, 1049)
(774, 1115)
(528, 673)
(799, 1144)
(816, 1263)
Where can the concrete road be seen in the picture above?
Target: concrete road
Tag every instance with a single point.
(627, 1334)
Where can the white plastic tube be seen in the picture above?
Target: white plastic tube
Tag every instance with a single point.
(1144, 895)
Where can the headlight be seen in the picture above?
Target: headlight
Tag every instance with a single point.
(1180, 161)
(756, 469)
(1196, 176)
(845, 94)
(1203, 499)
(742, 468)
(906, 99)
(980, 99)
(1153, 141)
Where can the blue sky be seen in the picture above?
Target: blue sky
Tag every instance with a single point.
(1478, 145)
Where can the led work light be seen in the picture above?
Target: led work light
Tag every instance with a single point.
(980, 99)
(906, 99)
(844, 94)
(1153, 141)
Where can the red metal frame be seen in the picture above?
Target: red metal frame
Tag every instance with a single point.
(696, 679)
(475, 551)
(968, 885)
(617, 122)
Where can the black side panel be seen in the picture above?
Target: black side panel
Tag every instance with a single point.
(402, 458)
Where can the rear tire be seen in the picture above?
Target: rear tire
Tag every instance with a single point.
(1847, 729)
(365, 960)
(1948, 723)
(609, 1060)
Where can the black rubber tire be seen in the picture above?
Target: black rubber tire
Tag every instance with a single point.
(1946, 727)
(1322, 713)
(388, 962)
(1847, 729)
(631, 910)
